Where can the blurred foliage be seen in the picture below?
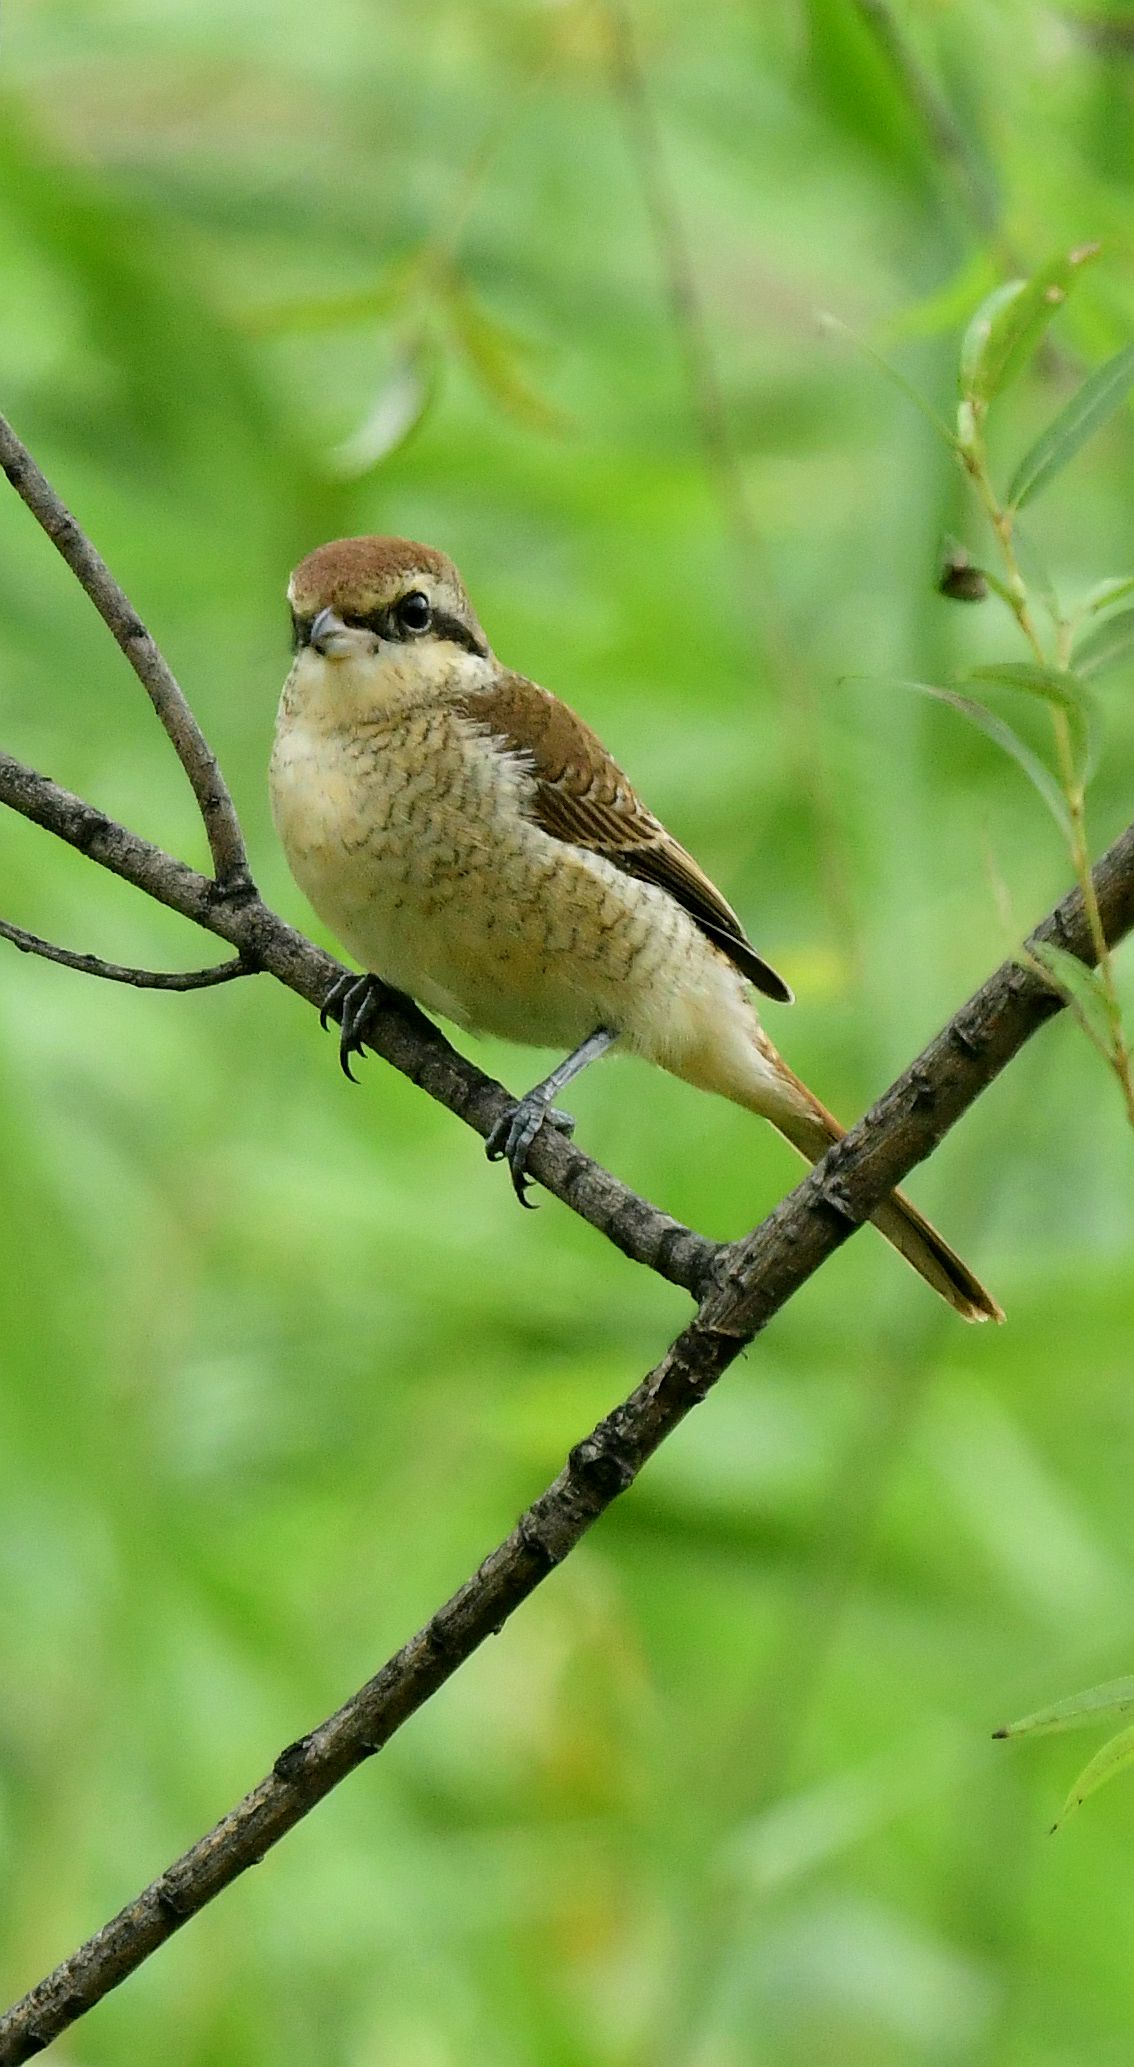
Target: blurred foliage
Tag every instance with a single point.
(281, 1359)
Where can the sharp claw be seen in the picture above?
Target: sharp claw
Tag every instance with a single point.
(340, 990)
(518, 1164)
(352, 999)
(512, 1137)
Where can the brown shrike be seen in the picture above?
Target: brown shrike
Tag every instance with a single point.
(472, 843)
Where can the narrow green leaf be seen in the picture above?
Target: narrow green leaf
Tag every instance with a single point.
(1055, 685)
(494, 353)
(835, 327)
(1076, 1711)
(1003, 736)
(1090, 406)
(1081, 987)
(1109, 643)
(1116, 1754)
(1060, 687)
(976, 370)
(1009, 323)
(1105, 593)
(976, 342)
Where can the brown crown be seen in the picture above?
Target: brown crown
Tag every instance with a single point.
(358, 574)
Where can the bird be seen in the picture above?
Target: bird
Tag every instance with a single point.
(471, 842)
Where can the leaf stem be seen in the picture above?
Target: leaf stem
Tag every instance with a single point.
(971, 452)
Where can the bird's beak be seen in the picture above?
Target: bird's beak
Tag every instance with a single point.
(331, 637)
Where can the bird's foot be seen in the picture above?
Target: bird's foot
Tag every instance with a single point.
(353, 1000)
(512, 1137)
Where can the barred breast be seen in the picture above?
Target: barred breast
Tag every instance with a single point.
(409, 834)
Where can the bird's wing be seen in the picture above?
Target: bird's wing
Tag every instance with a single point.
(581, 796)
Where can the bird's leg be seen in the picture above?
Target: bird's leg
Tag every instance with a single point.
(354, 999)
(512, 1137)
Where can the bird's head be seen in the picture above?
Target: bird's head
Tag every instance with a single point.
(360, 597)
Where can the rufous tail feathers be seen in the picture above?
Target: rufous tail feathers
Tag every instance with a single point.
(811, 1129)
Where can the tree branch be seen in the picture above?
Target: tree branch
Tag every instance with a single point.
(222, 827)
(763, 1272)
(741, 1287)
(398, 1032)
(115, 972)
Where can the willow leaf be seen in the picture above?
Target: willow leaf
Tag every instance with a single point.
(1009, 323)
(1100, 395)
(1005, 737)
(1116, 1754)
(1076, 1711)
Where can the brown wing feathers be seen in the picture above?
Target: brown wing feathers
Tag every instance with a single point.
(582, 796)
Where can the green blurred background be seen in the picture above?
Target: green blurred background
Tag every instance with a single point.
(281, 1359)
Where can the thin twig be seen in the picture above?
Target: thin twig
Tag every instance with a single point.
(764, 1271)
(222, 827)
(117, 972)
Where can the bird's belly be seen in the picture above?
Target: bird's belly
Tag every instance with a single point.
(457, 938)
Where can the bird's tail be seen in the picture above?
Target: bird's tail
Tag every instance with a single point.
(811, 1129)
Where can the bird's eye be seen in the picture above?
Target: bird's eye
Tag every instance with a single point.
(414, 613)
(300, 632)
